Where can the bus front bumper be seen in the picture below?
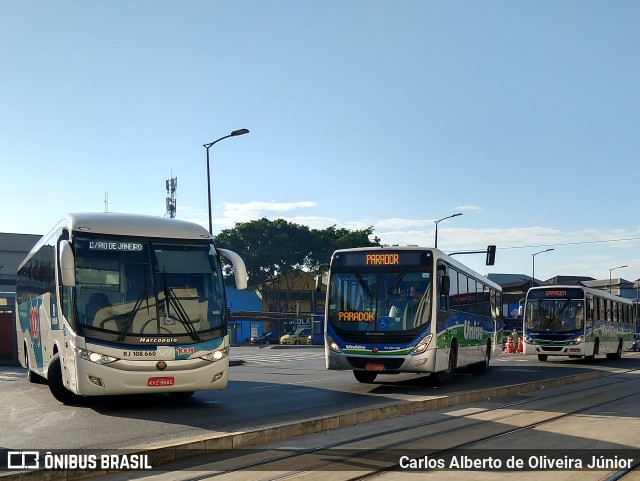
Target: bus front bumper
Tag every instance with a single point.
(143, 377)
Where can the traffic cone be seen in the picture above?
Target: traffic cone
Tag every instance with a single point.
(509, 349)
(520, 347)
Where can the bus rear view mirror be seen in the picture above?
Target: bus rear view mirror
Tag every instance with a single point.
(239, 268)
(67, 264)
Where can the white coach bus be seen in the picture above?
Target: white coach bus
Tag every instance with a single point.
(122, 304)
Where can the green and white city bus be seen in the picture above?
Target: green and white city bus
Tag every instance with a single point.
(408, 309)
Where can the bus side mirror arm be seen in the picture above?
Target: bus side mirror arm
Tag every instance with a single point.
(67, 264)
(446, 285)
(239, 269)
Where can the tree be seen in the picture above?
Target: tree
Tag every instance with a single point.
(272, 248)
(328, 240)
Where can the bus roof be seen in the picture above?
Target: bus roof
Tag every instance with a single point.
(437, 253)
(135, 225)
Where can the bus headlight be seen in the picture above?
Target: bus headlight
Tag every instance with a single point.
(333, 345)
(95, 357)
(216, 355)
(527, 339)
(422, 345)
(578, 340)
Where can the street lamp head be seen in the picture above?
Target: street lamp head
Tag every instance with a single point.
(436, 222)
(614, 268)
(208, 146)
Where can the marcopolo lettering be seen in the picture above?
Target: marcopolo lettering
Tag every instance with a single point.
(158, 340)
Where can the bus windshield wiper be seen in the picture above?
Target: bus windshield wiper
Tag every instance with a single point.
(132, 315)
(172, 300)
(396, 281)
(364, 285)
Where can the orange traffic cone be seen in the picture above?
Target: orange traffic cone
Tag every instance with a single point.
(520, 347)
(509, 349)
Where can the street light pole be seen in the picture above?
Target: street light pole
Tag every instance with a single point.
(533, 265)
(208, 146)
(613, 269)
(440, 220)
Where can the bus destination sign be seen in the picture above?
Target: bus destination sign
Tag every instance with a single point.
(115, 246)
(382, 259)
(556, 293)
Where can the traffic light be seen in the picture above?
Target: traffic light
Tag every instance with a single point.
(491, 255)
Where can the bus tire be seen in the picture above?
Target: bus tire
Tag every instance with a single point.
(366, 377)
(56, 386)
(445, 377)
(542, 357)
(617, 354)
(31, 376)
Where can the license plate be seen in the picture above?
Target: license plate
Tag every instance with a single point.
(374, 367)
(160, 381)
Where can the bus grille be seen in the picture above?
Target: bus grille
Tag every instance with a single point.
(551, 348)
(390, 364)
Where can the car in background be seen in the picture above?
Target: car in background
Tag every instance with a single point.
(299, 336)
(271, 337)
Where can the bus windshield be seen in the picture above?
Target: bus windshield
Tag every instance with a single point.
(130, 287)
(554, 315)
(381, 302)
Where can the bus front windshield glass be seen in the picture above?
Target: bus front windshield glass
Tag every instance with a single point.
(130, 287)
(381, 302)
(554, 315)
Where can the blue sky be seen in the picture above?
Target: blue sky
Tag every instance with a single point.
(523, 116)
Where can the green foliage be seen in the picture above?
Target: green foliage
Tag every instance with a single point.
(270, 248)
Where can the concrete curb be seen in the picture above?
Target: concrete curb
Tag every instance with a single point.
(164, 454)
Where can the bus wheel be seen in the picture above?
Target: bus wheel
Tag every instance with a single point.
(445, 377)
(56, 386)
(366, 377)
(31, 376)
(542, 357)
(617, 354)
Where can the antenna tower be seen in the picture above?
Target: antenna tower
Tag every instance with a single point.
(172, 185)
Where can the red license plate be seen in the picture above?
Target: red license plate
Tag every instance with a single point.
(374, 367)
(160, 381)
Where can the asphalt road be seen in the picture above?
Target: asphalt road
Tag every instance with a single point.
(267, 387)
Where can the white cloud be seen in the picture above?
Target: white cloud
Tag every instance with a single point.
(469, 208)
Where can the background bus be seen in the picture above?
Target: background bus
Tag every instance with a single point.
(118, 304)
(393, 310)
(576, 322)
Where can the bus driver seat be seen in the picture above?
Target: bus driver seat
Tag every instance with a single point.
(97, 301)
